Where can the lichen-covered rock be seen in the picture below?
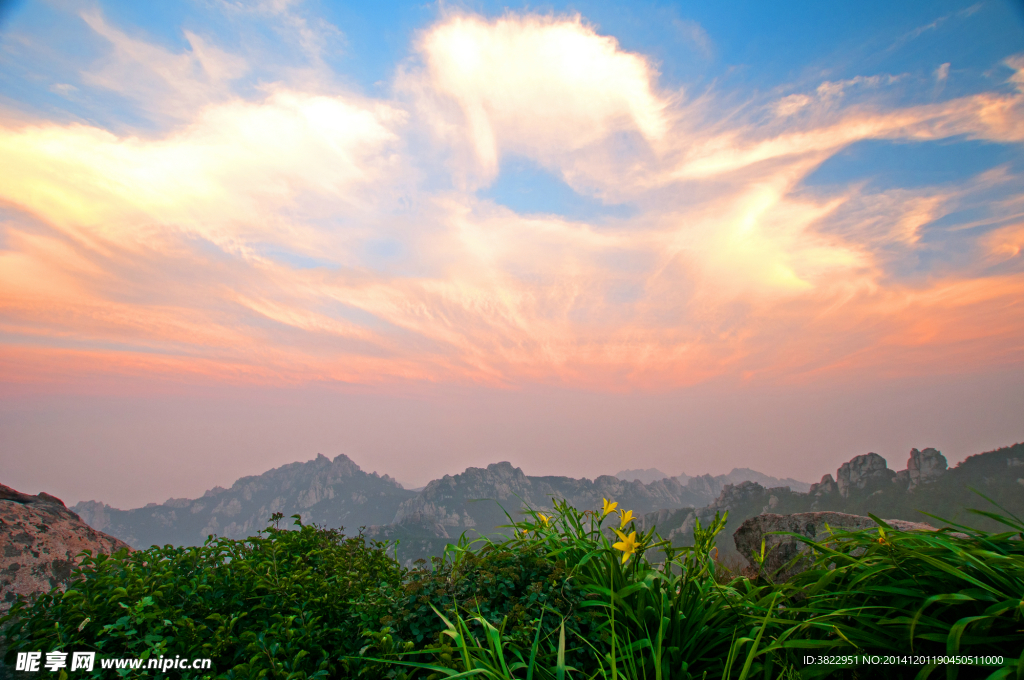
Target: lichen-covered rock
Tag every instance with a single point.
(925, 466)
(780, 549)
(862, 471)
(40, 541)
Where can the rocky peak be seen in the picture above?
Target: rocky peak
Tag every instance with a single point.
(329, 492)
(735, 494)
(862, 471)
(925, 466)
(646, 476)
(826, 486)
(705, 485)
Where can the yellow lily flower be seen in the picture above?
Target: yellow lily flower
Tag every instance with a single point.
(543, 519)
(627, 545)
(609, 507)
(625, 517)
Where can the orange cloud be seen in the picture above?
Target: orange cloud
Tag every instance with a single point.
(243, 244)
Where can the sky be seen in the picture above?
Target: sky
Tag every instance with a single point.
(581, 237)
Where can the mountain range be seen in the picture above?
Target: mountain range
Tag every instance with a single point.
(737, 476)
(329, 493)
(337, 493)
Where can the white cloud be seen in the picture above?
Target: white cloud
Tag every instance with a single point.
(538, 86)
(63, 89)
(787, 106)
(164, 83)
(230, 176)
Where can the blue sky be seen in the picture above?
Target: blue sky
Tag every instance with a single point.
(562, 204)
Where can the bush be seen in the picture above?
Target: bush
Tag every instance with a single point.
(281, 605)
(566, 595)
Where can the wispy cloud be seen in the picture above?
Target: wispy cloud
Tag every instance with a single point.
(294, 235)
(166, 84)
(696, 35)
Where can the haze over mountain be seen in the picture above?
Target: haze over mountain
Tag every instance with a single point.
(736, 476)
(646, 476)
(339, 494)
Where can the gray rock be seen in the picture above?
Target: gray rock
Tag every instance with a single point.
(902, 479)
(925, 466)
(825, 487)
(780, 550)
(861, 471)
(735, 494)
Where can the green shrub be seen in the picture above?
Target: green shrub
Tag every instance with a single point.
(287, 604)
(565, 596)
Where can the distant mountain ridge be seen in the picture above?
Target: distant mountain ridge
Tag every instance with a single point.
(646, 476)
(339, 494)
(331, 493)
(474, 499)
(737, 476)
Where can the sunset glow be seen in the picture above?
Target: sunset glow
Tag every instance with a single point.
(184, 206)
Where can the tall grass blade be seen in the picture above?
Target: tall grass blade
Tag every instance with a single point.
(535, 647)
(757, 641)
(560, 662)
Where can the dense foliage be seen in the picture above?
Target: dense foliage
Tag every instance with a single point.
(572, 593)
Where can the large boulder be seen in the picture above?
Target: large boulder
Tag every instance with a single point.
(40, 541)
(781, 549)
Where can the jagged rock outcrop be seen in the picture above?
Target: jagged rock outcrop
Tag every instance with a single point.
(925, 466)
(740, 475)
(735, 494)
(334, 493)
(862, 471)
(646, 476)
(825, 487)
(705, 485)
(40, 543)
(711, 486)
(780, 550)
